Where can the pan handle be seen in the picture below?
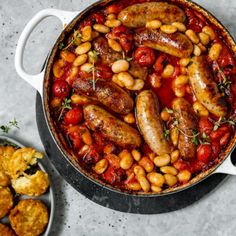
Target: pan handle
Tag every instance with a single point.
(36, 81)
(227, 167)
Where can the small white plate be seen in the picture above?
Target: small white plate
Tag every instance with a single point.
(47, 198)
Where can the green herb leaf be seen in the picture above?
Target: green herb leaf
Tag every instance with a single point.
(170, 111)
(65, 105)
(166, 133)
(7, 128)
(61, 46)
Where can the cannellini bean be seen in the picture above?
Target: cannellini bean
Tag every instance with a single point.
(168, 29)
(87, 67)
(126, 79)
(109, 148)
(114, 45)
(200, 109)
(162, 160)
(197, 50)
(139, 171)
(101, 28)
(215, 51)
(174, 156)
(57, 68)
(179, 91)
(184, 176)
(170, 180)
(165, 115)
(152, 155)
(135, 186)
(184, 61)
(86, 137)
(86, 33)
(136, 155)
(202, 47)
(174, 136)
(77, 40)
(79, 99)
(74, 72)
(209, 31)
(181, 80)
(168, 71)
(156, 179)
(67, 56)
(138, 85)
(101, 166)
(155, 80)
(147, 164)
(111, 16)
(204, 38)
(192, 36)
(120, 66)
(126, 160)
(129, 118)
(169, 170)
(92, 56)
(156, 189)
(116, 80)
(83, 48)
(80, 60)
(83, 150)
(153, 24)
(112, 23)
(145, 185)
(180, 26)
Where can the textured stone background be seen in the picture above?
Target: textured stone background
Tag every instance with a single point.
(215, 215)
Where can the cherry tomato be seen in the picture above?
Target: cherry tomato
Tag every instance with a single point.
(205, 126)
(181, 165)
(103, 71)
(73, 116)
(60, 88)
(75, 137)
(225, 139)
(194, 22)
(204, 153)
(113, 176)
(196, 166)
(217, 134)
(114, 9)
(92, 156)
(144, 56)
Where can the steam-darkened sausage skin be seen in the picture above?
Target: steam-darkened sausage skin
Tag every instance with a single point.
(187, 123)
(108, 93)
(107, 55)
(110, 127)
(150, 123)
(138, 14)
(176, 44)
(205, 88)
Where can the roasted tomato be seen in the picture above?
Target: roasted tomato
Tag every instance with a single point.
(73, 116)
(60, 88)
(103, 71)
(204, 152)
(144, 56)
(159, 63)
(75, 137)
(205, 126)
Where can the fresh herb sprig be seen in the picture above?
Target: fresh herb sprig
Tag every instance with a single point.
(76, 35)
(65, 105)
(223, 120)
(6, 128)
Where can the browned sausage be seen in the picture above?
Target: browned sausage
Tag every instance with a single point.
(150, 123)
(138, 72)
(176, 44)
(108, 93)
(108, 56)
(138, 14)
(110, 127)
(187, 124)
(205, 88)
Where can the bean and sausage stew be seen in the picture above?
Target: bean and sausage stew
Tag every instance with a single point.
(144, 94)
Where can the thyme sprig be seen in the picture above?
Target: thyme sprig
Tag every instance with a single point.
(223, 120)
(6, 128)
(65, 105)
(76, 35)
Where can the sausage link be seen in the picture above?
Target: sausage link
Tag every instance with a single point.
(108, 93)
(176, 44)
(205, 88)
(150, 123)
(110, 127)
(138, 15)
(187, 123)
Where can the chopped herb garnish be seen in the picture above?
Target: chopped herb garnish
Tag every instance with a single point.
(166, 133)
(129, 59)
(170, 111)
(61, 46)
(65, 105)
(7, 128)
(195, 139)
(223, 120)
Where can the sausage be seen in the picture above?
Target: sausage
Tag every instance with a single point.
(110, 127)
(108, 93)
(205, 88)
(137, 71)
(150, 123)
(138, 14)
(187, 123)
(107, 55)
(176, 44)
